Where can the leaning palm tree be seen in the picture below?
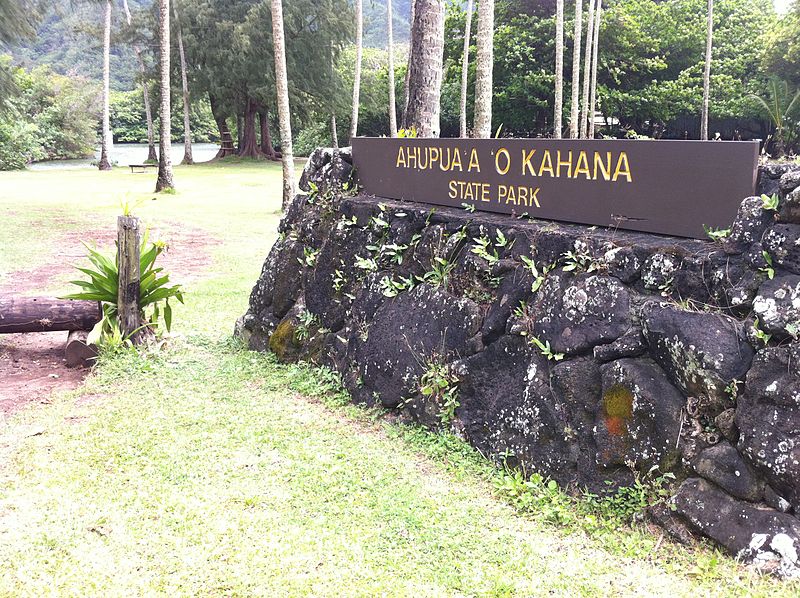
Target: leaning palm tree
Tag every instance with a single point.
(707, 71)
(576, 71)
(284, 114)
(484, 65)
(165, 179)
(392, 106)
(357, 75)
(148, 112)
(187, 126)
(559, 91)
(465, 71)
(105, 147)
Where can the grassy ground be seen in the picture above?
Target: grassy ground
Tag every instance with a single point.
(206, 469)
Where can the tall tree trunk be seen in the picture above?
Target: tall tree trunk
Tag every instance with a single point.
(248, 147)
(407, 81)
(707, 72)
(484, 65)
(148, 112)
(392, 102)
(357, 74)
(575, 108)
(225, 138)
(187, 125)
(465, 71)
(334, 132)
(105, 147)
(598, 15)
(266, 135)
(559, 90)
(587, 67)
(284, 115)
(165, 179)
(425, 80)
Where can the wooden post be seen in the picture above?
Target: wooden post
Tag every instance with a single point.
(128, 244)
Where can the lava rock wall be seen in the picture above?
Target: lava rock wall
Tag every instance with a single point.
(587, 354)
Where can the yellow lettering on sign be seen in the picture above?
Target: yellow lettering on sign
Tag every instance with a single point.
(457, 161)
(401, 159)
(582, 167)
(546, 159)
(473, 161)
(605, 169)
(453, 190)
(567, 163)
(620, 171)
(485, 189)
(527, 163)
(502, 152)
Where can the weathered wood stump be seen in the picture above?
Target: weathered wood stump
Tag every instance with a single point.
(45, 314)
(129, 239)
(78, 352)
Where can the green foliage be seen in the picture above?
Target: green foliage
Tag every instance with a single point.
(770, 203)
(781, 107)
(769, 269)
(544, 348)
(48, 116)
(440, 384)
(716, 234)
(154, 289)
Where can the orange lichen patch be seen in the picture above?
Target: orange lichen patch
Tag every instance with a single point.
(617, 409)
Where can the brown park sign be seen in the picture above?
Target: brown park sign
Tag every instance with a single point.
(668, 187)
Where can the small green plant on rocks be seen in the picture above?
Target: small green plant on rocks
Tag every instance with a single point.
(440, 384)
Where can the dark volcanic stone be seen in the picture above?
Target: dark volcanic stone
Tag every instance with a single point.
(409, 331)
(789, 210)
(508, 410)
(701, 352)
(723, 465)
(777, 305)
(768, 418)
(516, 287)
(327, 167)
(630, 344)
(624, 263)
(782, 242)
(751, 221)
(770, 174)
(280, 282)
(763, 536)
(639, 418)
(576, 313)
(789, 182)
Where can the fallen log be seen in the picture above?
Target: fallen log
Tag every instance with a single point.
(45, 314)
(78, 352)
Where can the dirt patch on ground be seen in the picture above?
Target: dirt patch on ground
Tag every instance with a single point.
(32, 366)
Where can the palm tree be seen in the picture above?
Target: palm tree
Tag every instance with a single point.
(284, 114)
(165, 179)
(406, 83)
(778, 107)
(357, 76)
(484, 64)
(707, 72)
(465, 71)
(107, 141)
(576, 71)
(148, 112)
(425, 77)
(392, 106)
(587, 67)
(598, 15)
(187, 126)
(559, 95)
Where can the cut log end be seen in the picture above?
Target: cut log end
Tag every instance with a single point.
(78, 352)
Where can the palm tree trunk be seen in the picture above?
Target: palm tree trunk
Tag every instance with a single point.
(559, 91)
(587, 67)
(484, 65)
(106, 142)
(407, 82)
(598, 15)
(334, 133)
(357, 76)
(425, 78)
(392, 101)
(284, 115)
(165, 179)
(707, 72)
(465, 72)
(574, 116)
(187, 126)
(148, 112)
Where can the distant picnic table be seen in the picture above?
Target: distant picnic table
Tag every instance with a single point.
(141, 167)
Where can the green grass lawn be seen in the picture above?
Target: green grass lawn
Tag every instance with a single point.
(204, 469)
